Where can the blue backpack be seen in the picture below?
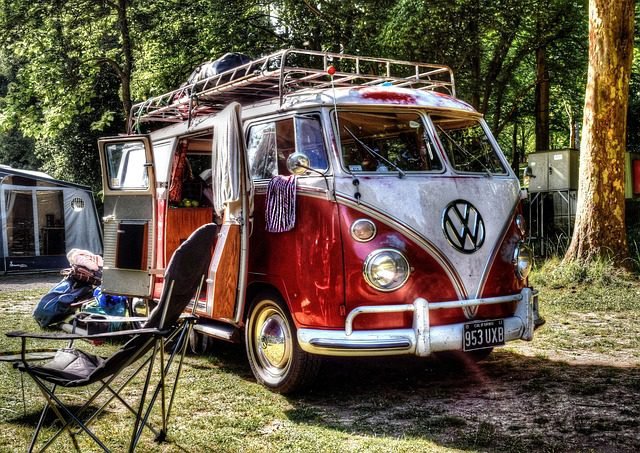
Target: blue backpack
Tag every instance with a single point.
(57, 303)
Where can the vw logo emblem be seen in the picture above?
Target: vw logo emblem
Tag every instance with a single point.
(463, 226)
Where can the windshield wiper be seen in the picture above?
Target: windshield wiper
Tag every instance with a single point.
(467, 153)
(375, 154)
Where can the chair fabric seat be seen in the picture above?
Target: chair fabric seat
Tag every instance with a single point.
(69, 368)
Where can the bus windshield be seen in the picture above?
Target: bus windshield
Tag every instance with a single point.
(386, 142)
(467, 145)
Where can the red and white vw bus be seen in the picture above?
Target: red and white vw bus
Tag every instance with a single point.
(398, 220)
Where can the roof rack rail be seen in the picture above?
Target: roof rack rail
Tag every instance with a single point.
(284, 73)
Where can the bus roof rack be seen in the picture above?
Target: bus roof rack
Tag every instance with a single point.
(284, 73)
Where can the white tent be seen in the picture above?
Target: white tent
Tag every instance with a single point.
(41, 219)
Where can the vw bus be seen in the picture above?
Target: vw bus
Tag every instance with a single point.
(398, 220)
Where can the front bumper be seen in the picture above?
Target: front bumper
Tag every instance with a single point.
(422, 339)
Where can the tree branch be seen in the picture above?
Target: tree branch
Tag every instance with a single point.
(314, 9)
(114, 65)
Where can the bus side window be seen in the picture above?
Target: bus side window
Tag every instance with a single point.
(270, 144)
(285, 142)
(261, 151)
(310, 141)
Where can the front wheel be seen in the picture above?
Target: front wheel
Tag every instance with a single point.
(275, 357)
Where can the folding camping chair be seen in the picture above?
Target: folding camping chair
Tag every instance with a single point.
(164, 327)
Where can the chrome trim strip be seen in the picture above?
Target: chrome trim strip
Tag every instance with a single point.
(422, 339)
(475, 302)
(388, 344)
(369, 309)
(305, 191)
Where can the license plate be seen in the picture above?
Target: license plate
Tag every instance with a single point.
(483, 334)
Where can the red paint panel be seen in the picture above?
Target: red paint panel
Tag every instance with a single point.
(428, 278)
(502, 278)
(304, 264)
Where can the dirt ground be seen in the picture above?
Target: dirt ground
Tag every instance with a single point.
(24, 282)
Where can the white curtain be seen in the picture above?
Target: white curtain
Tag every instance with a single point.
(8, 200)
(228, 158)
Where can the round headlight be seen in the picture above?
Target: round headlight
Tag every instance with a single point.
(363, 230)
(386, 269)
(522, 260)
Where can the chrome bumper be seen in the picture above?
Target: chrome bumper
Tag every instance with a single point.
(422, 339)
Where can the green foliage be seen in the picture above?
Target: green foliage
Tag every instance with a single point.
(70, 63)
(602, 273)
(69, 69)
(175, 37)
(633, 126)
(17, 151)
(491, 47)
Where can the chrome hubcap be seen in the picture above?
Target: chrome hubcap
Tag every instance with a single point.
(272, 341)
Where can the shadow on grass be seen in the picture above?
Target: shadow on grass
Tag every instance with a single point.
(31, 417)
(509, 402)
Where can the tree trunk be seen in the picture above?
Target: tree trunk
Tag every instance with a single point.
(542, 100)
(127, 67)
(600, 217)
(573, 126)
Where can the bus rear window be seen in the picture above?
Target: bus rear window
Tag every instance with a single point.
(127, 166)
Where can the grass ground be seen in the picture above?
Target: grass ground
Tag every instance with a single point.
(574, 388)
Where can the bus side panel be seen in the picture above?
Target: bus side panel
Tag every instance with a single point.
(304, 264)
(428, 278)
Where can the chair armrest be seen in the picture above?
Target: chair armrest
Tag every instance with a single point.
(30, 355)
(98, 318)
(111, 319)
(74, 336)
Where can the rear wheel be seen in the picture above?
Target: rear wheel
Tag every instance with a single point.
(199, 343)
(275, 357)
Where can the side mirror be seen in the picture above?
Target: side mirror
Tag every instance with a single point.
(297, 163)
